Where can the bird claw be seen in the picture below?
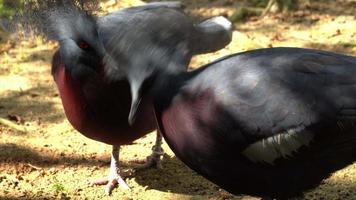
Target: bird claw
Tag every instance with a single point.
(112, 181)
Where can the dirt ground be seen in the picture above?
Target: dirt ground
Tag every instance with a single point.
(50, 160)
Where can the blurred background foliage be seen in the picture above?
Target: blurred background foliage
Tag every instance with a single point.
(8, 8)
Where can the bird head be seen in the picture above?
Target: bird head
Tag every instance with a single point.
(141, 43)
(73, 26)
(80, 48)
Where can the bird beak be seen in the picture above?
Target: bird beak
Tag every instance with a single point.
(136, 98)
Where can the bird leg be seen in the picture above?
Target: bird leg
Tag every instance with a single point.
(115, 176)
(153, 160)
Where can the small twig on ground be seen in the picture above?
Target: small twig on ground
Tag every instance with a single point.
(34, 167)
(12, 125)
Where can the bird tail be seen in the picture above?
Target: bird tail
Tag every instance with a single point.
(214, 34)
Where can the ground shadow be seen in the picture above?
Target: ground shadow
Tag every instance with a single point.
(34, 104)
(343, 48)
(175, 177)
(15, 154)
(333, 7)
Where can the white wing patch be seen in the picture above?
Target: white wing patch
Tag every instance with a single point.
(281, 145)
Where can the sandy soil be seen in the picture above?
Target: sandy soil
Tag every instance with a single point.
(53, 161)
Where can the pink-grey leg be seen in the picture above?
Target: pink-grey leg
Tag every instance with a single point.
(153, 160)
(115, 176)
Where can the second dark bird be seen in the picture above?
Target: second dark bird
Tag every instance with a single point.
(270, 122)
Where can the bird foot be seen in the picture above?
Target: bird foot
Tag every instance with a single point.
(112, 181)
(150, 161)
(154, 160)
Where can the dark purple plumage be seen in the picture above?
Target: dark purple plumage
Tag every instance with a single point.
(95, 99)
(269, 122)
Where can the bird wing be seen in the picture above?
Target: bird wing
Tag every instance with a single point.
(284, 88)
(275, 96)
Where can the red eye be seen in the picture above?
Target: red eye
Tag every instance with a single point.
(83, 45)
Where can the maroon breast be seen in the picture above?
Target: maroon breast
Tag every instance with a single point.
(70, 93)
(101, 111)
(187, 124)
